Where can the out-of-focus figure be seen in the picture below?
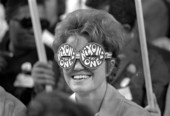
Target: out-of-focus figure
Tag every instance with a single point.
(56, 103)
(18, 49)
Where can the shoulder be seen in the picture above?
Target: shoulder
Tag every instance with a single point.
(10, 105)
(129, 108)
(123, 106)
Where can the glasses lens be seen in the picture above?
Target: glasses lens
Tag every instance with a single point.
(65, 56)
(92, 55)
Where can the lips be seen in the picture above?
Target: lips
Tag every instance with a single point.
(81, 77)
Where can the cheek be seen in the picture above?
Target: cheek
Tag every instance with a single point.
(66, 75)
(100, 73)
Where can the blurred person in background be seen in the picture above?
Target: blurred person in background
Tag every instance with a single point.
(18, 50)
(56, 103)
(54, 9)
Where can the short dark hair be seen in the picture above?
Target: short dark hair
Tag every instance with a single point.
(12, 6)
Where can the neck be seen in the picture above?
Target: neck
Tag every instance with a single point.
(93, 100)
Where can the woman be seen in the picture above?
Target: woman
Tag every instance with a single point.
(86, 47)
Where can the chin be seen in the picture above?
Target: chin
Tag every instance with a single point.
(81, 90)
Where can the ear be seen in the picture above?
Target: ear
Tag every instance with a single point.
(127, 28)
(129, 31)
(110, 66)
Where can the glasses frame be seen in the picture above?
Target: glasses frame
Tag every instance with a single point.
(77, 55)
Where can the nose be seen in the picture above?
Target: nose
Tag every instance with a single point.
(78, 65)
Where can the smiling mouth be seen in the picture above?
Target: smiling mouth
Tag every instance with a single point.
(81, 77)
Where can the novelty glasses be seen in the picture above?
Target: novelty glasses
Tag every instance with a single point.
(91, 56)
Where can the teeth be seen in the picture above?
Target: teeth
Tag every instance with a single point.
(80, 77)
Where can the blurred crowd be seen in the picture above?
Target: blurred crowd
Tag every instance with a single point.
(18, 54)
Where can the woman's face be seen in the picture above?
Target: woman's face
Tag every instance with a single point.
(79, 78)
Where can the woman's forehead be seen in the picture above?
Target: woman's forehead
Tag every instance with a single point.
(77, 42)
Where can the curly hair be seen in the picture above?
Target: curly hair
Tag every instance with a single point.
(98, 26)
